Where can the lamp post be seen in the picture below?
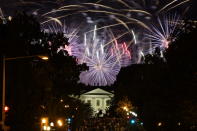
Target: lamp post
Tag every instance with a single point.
(3, 97)
(4, 86)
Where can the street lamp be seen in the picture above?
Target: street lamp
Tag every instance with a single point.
(125, 108)
(44, 120)
(3, 90)
(159, 124)
(60, 123)
(52, 124)
(43, 57)
(6, 108)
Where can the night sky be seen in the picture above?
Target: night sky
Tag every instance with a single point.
(10, 6)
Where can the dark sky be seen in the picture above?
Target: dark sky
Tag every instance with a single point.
(10, 6)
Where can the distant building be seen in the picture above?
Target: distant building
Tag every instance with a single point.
(99, 99)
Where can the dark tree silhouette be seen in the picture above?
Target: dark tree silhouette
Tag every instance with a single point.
(160, 89)
(31, 83)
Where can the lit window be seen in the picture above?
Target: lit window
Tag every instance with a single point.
(107, 102)
(98, 102)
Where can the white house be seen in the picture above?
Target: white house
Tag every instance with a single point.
(99, 99)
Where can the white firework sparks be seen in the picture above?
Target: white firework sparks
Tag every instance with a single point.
(103, 66)
(165, 33)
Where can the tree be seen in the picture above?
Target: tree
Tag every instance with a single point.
(16, 34)
(181, 57)
(30, 82)
(155, 58)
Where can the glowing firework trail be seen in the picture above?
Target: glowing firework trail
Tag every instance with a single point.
(137, 11)
(178, 4)
(119, 14)
(94, 36)
(63, 8)
(101, 11)
(99, 1)
(171, 3)
(141, 53)
(140, 56)
(55, 11)
(100, 5)
(56, 20)
(78, 9)
(68, 6)
(102, 53)
(167, 5)
(122, 53)
(107, 26)
(114, 39)
(123, 23)
(1, 14)
(120, 50)
(135, 41)
(124, 3)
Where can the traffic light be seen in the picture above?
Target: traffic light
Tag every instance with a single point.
(132, 121)
(69, 120)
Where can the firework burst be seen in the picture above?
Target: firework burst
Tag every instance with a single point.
(103, 66)
(161, 36)
(105, 55)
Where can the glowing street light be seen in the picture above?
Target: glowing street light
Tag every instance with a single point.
(6, 108)
(69, 120)
(132, 121)
(61, 100)
(125, 108)
(44, 120)
(43, 57)
(159, 124)
(52, 124)
(44, 128)
(66, 106)
(48, 128)
(60, 123)
(45, 124)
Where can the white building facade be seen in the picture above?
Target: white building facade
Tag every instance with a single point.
(99, 99)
